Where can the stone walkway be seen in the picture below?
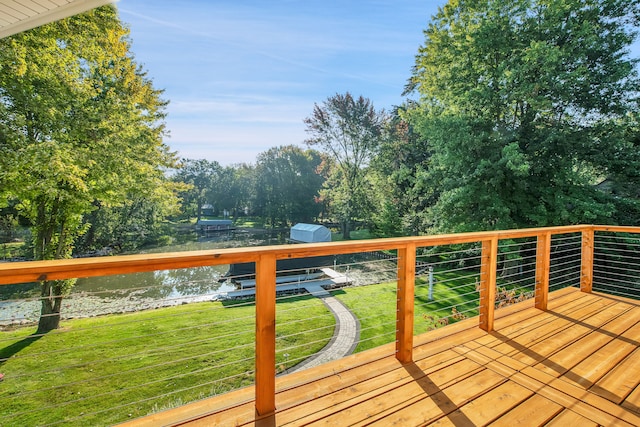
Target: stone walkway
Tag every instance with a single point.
(347, 331)
(345, 337)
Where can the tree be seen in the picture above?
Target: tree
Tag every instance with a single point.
(400, 166)
(288, 185)
(350, 132)
(242, 188)
(80, 126)
(524, 104)
(202, 177)
(235, 188)
(136, 222)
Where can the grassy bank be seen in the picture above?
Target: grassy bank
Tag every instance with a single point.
(375, 306)
(105, 370)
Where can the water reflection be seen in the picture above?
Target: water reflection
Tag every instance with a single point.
(92, 296)
(156, 284)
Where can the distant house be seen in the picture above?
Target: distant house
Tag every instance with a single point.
(207, 210)
(214, 225)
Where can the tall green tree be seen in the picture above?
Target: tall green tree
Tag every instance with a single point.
(243, 187)
(288, 184)
(81, 125)
(202, 177)
(350, 131)
(524, 105)
(400, 166)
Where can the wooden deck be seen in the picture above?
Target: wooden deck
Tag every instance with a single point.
(578, 363)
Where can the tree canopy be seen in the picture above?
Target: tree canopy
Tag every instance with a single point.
(525, 106)
(81, 126)
(202, 177)
(350, 131)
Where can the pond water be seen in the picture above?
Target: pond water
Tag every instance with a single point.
(131, 292)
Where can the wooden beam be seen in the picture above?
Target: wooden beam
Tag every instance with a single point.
(543, 262)
(405, 298)
(488, 274)
(586, 268)
(266, 334)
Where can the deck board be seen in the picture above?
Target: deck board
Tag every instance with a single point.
(565, 359)
(621, 380)
(570, 418)
(632, 402)
(536, 410)
(437, 401)
(600, 362)
(578, 363)
(488, 407)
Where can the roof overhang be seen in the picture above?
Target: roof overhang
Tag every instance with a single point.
(21, 15)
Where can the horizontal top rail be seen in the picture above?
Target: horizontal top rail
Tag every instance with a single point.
(29, 271)
(616, 228)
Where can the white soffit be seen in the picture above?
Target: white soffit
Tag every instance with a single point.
(21, 15)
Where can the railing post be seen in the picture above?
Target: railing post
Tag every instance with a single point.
(488, 274)
(266, 334)
(405, 300)
(586, 268)
(543, 263)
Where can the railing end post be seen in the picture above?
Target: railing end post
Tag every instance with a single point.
(405, 302)
(488, 280)
(543, 263)
(586, 267)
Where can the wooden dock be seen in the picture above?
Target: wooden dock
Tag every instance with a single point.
(328, 278)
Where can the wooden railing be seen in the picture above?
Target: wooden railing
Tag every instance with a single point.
(266, 257)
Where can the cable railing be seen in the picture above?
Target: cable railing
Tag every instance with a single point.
(616, 268)
(181, 330)
(565, 261)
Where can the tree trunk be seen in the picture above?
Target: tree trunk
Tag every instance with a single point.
(199, 212)
(346, 229)
(50, 311)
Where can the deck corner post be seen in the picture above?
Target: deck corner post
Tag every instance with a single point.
(543, 263)
(586, 267)
(265, 376)
(405, 302)
(488, 276)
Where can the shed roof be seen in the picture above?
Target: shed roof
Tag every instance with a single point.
(310, 233)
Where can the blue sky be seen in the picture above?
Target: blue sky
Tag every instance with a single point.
(241, 76)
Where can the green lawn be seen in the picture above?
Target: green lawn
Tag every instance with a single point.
(375, 306)
(108, 369)
(105, 370)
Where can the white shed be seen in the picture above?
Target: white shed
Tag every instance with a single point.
(309, 233)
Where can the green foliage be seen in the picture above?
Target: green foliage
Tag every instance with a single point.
(236, 189)
(350, 131)
(362, 234)
(288, 183)
(201, 178)
(525, 107)
(399, 168)
(124, 228)
(387, 221)
(204, 182)
(81, 126)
